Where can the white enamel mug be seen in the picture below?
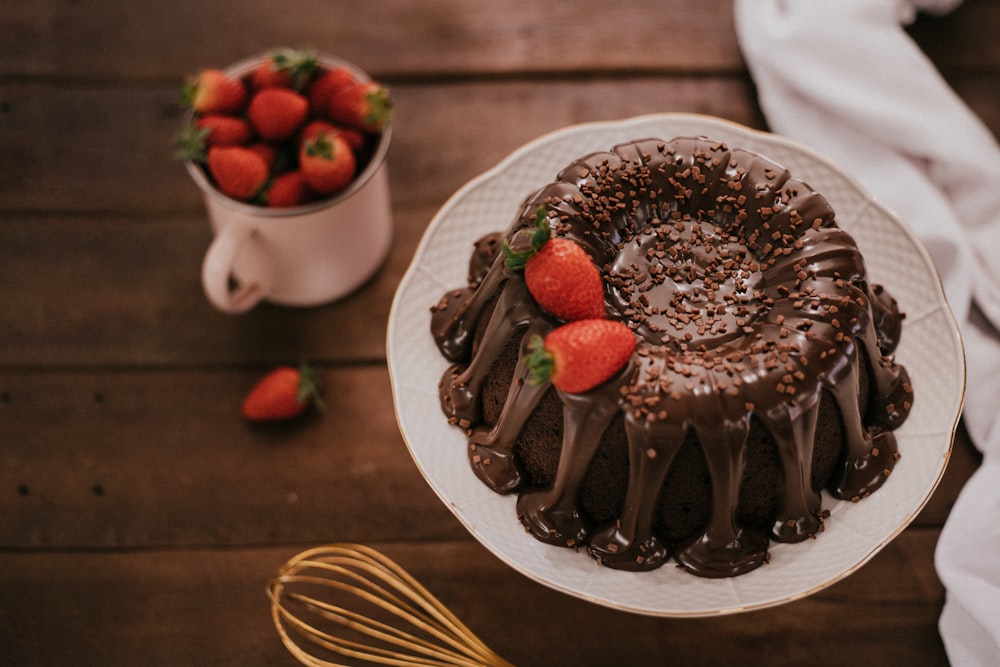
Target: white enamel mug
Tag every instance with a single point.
(301, 256)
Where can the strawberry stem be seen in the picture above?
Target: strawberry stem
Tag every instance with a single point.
(540, 363)
(189, 90)
(536, 238)
(300, 63)
(379, 106)
(191, 142)
(309, 387)
(320, 146)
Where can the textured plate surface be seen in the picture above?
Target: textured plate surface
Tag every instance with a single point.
(930, 348)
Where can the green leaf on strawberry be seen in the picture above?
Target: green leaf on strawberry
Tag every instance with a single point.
(288, 68)
(362, 104)
(533, 240)
(327, 163)
(191, 143)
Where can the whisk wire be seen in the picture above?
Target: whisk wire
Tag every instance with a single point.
(386, 571)
(375, 579)
(370, 627)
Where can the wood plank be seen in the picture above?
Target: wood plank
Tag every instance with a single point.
(143, 457)
(963, 40)
(389, 37)
(130, 607)
(113, 290)
(48, 38)
(140, 608)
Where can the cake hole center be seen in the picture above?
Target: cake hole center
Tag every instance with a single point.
(686, 282)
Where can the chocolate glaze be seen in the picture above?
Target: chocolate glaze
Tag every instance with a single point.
(748, 303)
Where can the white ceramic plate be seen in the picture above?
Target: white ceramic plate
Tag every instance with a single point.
(931, 350)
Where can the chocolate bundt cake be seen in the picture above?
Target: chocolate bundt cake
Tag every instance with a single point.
(762, 373)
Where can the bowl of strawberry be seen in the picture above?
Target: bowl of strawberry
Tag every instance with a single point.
(288, 149)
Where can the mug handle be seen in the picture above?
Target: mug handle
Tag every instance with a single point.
(236, 244)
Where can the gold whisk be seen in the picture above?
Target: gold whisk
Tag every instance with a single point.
(304, 614)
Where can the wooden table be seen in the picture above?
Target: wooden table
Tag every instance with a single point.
(140, 517)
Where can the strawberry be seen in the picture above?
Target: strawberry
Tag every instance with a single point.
(266, 111)
(193, 140)
(327, 163)
(288, 189)
(224, 130)
(363, 104)
(268, 153)
(283, 393)
(314, 129)
(325, 85)
(285, 69)
(277, 113)
(578, 356)
(213, 91)
(354, 138)
(559, 274)
(238, 171)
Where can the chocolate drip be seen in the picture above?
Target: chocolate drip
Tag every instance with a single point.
(794, 430)
(888, 319)
(752, 311)
(453, 319)
(553, 514)
(483, 256)
(630, 543)
(491, 449)
(514, 309)
(872, 450)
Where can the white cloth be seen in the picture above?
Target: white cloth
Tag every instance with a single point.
(844, 77)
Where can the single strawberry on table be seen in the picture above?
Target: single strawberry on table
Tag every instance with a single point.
(559, 273)
(580, 355)
(284, 393)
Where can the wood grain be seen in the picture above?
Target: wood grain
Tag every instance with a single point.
(399, 38)
(170, 607)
